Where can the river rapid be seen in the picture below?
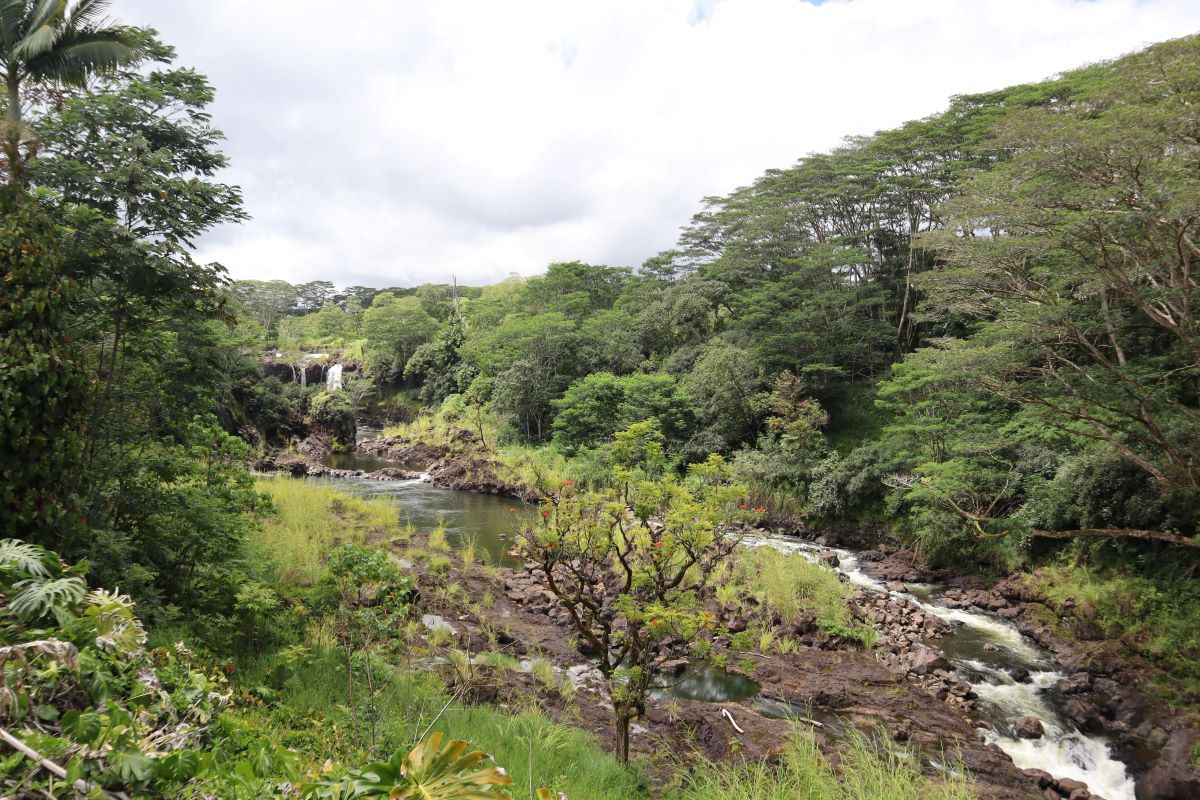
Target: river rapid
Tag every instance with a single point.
(983, 648)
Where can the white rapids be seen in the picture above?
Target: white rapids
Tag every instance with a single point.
(1063, 751)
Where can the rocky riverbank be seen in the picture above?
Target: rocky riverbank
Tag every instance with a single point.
(1107, 688)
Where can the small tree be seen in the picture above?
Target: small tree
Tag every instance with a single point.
(630, 563)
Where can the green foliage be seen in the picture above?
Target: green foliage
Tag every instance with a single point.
(865, 770)
(596, 407)
(331, 413)
(430, 771)
(41, 384)
(394, 328)
(86, 692)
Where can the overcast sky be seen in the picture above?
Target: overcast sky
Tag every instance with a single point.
(394, 142)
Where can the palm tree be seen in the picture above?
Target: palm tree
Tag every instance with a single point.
(45, 41)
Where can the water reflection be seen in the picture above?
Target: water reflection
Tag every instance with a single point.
(708, 685)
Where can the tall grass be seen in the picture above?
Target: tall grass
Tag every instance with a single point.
(312, 717)
(1160, 621)
(865, 771)
(310, 520)
(791, 585)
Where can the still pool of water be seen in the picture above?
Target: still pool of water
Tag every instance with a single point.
(491, 522)
(708, 685)
(352, 461)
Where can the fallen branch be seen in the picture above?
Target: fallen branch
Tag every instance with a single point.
(80, 785)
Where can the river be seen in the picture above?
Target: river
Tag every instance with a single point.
(982, 647)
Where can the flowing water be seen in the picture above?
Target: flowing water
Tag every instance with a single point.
(333, 377)
(983, 648)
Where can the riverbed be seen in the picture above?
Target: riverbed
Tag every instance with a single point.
(984, 649)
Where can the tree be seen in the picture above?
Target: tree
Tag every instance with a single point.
(629, 564)
(43, 41)
(313, 295)
(394, 327)
(266, 301)
(597, 406)
(1075, 259)
(727, 385)
(41, 385)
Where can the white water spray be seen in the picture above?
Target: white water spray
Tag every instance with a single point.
(333, 378)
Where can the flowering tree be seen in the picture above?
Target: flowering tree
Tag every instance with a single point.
(630, 563)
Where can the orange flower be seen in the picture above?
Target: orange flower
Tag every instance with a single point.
(743, 506)
(545, 514)
(759, 510)
(568, 483)
(658, 544)
(654, 623)
(512, 510)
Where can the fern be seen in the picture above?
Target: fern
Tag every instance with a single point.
(36, 597)
(28, 559)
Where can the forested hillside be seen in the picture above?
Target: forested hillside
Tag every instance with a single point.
(970, 343)
(979, 324)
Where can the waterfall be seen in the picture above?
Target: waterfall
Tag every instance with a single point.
(303, 375)
(333, 378)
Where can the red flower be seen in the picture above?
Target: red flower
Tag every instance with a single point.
(545, 514)
(512, 510)
(229, 669)
(658, 544)
(743, 506)
(759, 510)
(568, 483)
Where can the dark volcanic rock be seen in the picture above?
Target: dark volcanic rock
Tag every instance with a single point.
(1029, 728)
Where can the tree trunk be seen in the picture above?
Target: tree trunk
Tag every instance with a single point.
(623, 736)
(12, 132)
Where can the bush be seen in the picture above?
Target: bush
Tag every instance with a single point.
(332, 414)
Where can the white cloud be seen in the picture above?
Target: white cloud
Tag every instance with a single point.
(392, 143)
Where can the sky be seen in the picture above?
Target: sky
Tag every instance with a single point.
(397, 142)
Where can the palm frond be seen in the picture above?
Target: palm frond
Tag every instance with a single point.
(12, 13)
(36, 597)
(28, 559)
(82, 53)
(38, 41)
(46, 14)
(87, 13)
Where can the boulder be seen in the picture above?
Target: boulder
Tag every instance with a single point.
(1069, 785)
(829, 558)
(1029, 728)
(924, 660)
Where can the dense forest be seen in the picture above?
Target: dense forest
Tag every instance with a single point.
(974, 336)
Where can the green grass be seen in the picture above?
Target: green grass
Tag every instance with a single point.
(792, 585)
(310, 716)
(1161, 623)
(865, 771)
(311, 520)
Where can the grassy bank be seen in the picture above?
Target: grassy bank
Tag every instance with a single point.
(790, 586)
(1159, 623)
